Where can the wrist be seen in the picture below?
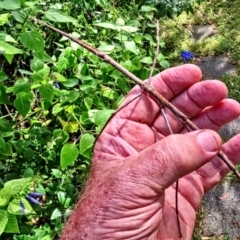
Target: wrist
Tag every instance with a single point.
(103, 213)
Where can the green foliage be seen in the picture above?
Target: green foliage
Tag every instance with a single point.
(171, 8)
(55, 97)
(11, 195)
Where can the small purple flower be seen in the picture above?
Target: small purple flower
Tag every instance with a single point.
(186, 56)
(35, 194)
(32, 200)
(22, 207)
(56, 85)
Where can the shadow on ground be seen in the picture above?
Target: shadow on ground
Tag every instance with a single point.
(222, 208)
(215, 67)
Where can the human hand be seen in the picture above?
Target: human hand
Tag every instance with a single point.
(130, 193)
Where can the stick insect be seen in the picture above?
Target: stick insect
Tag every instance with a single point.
(145, 87)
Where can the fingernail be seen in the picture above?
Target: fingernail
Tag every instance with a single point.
(207, 140)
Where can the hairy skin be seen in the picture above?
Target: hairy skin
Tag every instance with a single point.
(130, 192)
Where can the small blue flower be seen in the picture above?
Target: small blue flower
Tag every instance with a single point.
(56, 85)
(22, 207)
(186, 56)
(32, 200)
(35, 194)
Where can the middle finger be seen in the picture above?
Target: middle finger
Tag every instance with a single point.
(191, 102)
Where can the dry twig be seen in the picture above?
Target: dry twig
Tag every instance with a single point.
(143, 85)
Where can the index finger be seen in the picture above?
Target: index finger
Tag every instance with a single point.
(168, 83)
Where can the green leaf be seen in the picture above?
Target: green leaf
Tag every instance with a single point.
(36, 65)
(19, 15)
(47, 91)
(8, 150)
(57, 109)
(108, 25)
(37, 76)
(15, 186)
(58, 16)
(40, 188)
(68, 155)
(62, 64)
(30, 4)
(62, 196)
(86, 143)
(71, 82)
(56, 214)
(28, 172)
(129, 29)
(12, 224)
(147, 60)
(33, 41)
(2, 144)
(131, 46)
(5, 126)
(46, 237)
(133, 22)
(7, 38)
(120, 22)
(138, 39)
(43, 56)
(23, 104)
(45, 106)
(109, 93)
(60, 136)
(14, 207)
(3, 76)
(72, 97)
(9, 57)
(88, 116)
(105, 67)
(3, 220)
(88, 102)
(45, 71)
(88, 88)
(160, 57)
(10, 4)
(67, 202)
(165, 64)
(150, 39)
(69, 127)
(4, 200)
(21, 85)
(146, 8)
(56, 173)
(106, 48)
(3, 96)
(58, 77)
(101, 117)
(6, 48)
(4, 18)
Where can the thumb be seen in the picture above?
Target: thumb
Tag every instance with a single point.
(176, 156)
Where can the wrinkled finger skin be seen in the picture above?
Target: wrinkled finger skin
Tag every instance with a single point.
(130, 193)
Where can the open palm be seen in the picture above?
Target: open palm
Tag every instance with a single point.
(136, 164)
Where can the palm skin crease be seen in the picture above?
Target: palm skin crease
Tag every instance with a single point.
(130, 193)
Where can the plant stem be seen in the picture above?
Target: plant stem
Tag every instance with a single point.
(156, 52)
(24, 21)
(9, 113)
